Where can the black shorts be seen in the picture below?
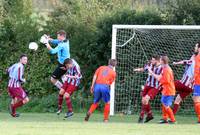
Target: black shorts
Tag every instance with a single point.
(58, 72)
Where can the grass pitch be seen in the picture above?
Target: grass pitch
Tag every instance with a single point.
(51, 124)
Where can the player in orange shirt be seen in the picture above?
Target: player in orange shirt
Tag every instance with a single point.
(166, 79)
(103, 78)
(196, 92)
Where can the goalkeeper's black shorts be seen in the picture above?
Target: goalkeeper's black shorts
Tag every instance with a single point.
(58, 72)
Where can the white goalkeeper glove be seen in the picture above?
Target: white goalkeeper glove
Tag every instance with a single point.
(44, 39)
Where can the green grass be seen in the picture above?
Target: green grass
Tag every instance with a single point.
(51, 124)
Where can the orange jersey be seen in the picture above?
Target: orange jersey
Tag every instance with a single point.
(105, 75)
(167, 82)
(197, 70)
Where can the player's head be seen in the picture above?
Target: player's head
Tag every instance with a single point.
(155, 59)
(112, 62)
(61, 35)
(23, 59)
(197, 48)
(68, 63)
(164, 59)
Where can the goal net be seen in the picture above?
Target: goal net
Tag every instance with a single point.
(133, 46)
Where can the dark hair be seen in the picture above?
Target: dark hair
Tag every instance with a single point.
(68, 61)
(63, 33)
(157, 57)
(165, 59)
(23, 55)
(112, 62)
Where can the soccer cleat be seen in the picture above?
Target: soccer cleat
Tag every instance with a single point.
(15, 115)
(141, 120)
(162, 121)
(69, 114)
(87, 116)
(171, 122)
(59, 111)
(148, 118)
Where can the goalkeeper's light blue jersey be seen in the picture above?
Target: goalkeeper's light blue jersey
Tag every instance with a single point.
(62, 49)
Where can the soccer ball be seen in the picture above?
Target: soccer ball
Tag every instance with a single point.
(33, 46)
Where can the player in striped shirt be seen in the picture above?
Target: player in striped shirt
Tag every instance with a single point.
(184, 87)
(104, 76)
(15, 90)
(151, 88)
(196, 92)
(166, 79)
(71, 82)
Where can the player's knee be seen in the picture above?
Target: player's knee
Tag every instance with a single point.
(26, 100)
(196, 98)
(178, 99)
(66, 95)
(53, 80)
(61, 92)
(144, 101)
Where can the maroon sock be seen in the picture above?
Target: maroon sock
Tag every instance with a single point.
(142, 112)
(148, 110)
(176, 108)
(60, 101)
(69, 104)
(15, 106)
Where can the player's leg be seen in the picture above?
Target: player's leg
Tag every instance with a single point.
(146, 101)
(167, 111)
(183, 92)
(142, 112)
(177, 102)
(97, 98)
(196, 99)
(60, 100)
(106, 98)
(57, 74)
(20, 99)
(69, 91)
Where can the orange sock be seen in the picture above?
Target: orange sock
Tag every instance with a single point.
(93, 107)
(197, 109)
(170, 114)
(164, 113)
(106, 111)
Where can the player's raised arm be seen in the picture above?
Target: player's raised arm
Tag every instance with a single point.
(183, 62)
(138, 70)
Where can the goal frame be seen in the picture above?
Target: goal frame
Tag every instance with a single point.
(115, 27)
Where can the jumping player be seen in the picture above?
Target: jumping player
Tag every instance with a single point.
(151, 88)
(166, 79)
(15, 89)
(62, 50)
(184, 87)
(102, 79)
(71, 82)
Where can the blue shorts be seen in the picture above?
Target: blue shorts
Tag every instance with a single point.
(101, 91)
(196, 91)
(167, 100)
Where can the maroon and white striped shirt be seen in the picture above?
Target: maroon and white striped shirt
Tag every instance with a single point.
(151, 81)
(16, 72)
(188, 76)
(74, 71)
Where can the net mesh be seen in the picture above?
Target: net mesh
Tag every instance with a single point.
(133, 49)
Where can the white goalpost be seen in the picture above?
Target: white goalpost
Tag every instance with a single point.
(133, 46)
